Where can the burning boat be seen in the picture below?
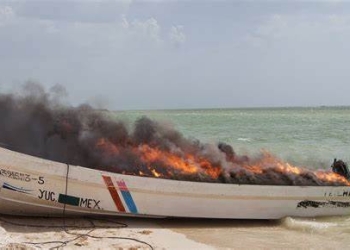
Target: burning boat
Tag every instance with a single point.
(76, 160)
(35, 186)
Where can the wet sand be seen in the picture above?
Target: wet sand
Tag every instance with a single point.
(174, 233)
(254, 234)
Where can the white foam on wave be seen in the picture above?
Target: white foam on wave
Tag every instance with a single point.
(244, 139)
(307, 225)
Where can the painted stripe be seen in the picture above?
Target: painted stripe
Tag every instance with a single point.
(127, 197)
(129, 201)
(13, 188)
(115, 196)
(68, 199)
(122, 185)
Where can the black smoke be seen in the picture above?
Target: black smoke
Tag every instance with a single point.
(38, 123)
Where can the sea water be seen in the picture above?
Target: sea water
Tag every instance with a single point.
(308, 136)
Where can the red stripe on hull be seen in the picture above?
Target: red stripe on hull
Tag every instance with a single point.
(114, 193)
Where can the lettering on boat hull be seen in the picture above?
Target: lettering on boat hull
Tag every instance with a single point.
(69, 199)
(18, 176)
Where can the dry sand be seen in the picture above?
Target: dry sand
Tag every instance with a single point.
(146, 230)
(172, 234)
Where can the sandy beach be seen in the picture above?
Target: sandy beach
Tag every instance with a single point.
(45, 233)
(22, 233)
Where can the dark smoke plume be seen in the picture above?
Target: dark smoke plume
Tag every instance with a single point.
(35, 122)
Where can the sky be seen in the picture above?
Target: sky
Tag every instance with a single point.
(162, 54)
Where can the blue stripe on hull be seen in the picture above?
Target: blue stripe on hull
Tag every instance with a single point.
(129, 201)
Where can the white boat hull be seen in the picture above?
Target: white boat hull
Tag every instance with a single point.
(34, 186)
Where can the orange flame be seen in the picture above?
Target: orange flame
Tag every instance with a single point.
(189, 164)
(269, 161)
(332, 177)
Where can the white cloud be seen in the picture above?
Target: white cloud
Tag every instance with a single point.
(103, 21)
(299, 27)
(125, 23)
(99, 11)
(152, 30)
(176, 35)
(149, 28)
(6, 14)
(273, 27)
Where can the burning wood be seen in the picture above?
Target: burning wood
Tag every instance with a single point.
(34, 124)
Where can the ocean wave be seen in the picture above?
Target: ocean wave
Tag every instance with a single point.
(244, 139)
(307, 225)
